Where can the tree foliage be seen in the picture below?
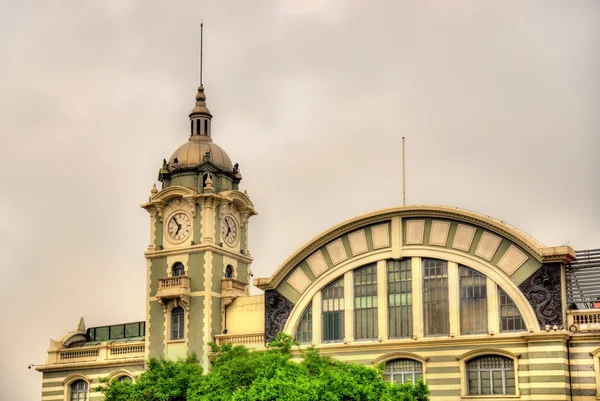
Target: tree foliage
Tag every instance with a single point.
(240, 375)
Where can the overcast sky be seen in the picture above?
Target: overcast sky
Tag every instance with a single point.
(499, 102)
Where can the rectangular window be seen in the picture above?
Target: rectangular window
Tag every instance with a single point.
(399, 277)
(333, 311)
(436, 316)
(510, 317)
(365, 302)
(473, 301)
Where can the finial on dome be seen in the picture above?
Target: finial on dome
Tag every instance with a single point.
(154, 191)
(200, 108)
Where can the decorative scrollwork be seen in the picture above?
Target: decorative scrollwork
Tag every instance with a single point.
(542, 290)
(277, 311)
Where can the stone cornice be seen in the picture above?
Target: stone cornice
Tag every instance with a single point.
(534, 247)
(197, 249)
(82, 365)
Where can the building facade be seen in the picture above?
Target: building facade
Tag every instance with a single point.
(473, 306)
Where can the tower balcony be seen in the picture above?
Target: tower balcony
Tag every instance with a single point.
(231, 289)
(177, 287)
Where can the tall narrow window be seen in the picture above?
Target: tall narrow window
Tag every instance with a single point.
(399, 298)
(304, 331)
(403, 370)
(435, 297)
(177, 323)
(79, 390)
(197, 127)
(229, 271)
(178, 269)
(192, 127)
(206, 127)
(333, 311)
(510, 317)
(365, 302)
(473, 301)
(490, 375)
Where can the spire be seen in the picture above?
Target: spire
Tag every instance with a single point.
(200, 117)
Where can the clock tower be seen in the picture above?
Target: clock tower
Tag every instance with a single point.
(198, 259)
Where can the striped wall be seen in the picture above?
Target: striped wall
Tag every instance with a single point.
(55, 389)
(542, 365)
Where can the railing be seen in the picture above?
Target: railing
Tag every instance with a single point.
(230, 284)
(240, 339)
(173, 287)
(98, 353)
(127, 349)
(584, 320)
(171, 282)
(79, 354)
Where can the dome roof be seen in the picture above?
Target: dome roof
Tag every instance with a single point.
(191, 154)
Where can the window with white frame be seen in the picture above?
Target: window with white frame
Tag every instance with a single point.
(491, 375)
(436, 315)
(473, 301)
(177, 323)
(79, 390)
(333, 311)
(403, 370)
(399, 286)
(304, 331)
(365, 302)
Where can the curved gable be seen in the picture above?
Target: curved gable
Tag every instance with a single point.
(412, 230)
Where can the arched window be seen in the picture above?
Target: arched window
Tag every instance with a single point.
(229, 271)
(403, 370)
(177, 322)
(491, 375)
(304, 331)
(365, 302)
(124, 378)
(436, 314)
(333, 311)
(79, 390)
(178, 269)
(510, 317)
(473, 301)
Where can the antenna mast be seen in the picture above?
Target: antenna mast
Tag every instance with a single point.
(403, 174)
(201, 37)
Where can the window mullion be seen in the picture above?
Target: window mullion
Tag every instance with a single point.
(492, 306)
(453, 298)
(382, 299)
(348, 306)
(417, 296)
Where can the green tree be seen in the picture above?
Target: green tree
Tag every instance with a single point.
(240, 375)
(163, 380)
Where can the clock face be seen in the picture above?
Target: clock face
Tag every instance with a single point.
(229, 229)
(179, 227)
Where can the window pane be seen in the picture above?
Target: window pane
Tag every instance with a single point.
(510, 317)
(333, 311)
(304, 331)
(177, 323)
(403, 370)
(365, 302)
(435, 297)
(178, 269)
(473, 301)
(399, 298)
(491, 374)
